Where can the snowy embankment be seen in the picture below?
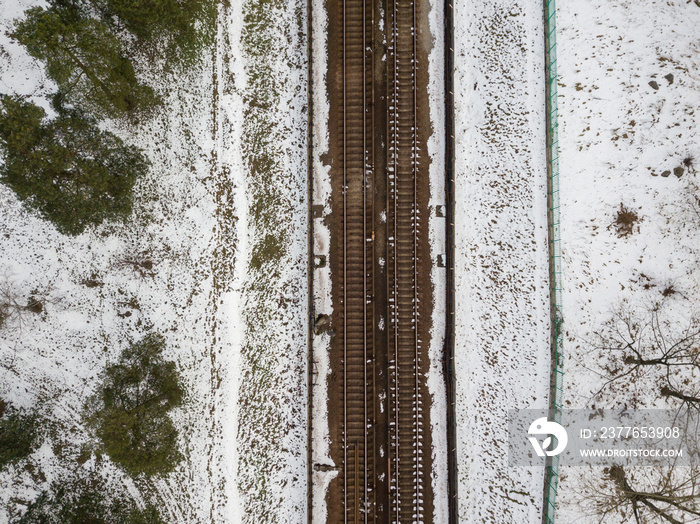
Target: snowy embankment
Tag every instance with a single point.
(321, 278)
(227, 246)
(501, 260)
(438, 275)
(272, 430)
(629, 92)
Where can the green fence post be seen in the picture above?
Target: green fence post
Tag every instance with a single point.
(552, 113)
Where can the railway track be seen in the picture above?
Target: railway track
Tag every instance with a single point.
(357, 263)
(397, 450)
(403, 223)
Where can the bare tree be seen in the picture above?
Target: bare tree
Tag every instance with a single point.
(140, 263)
(649, 344)
(646, 495)
(13, 305)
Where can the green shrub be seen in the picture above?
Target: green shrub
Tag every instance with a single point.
(19, 432)
(87, 501)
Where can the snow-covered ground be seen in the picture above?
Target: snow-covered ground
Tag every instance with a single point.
(96, 301)
(227, 287)
(222, 216)
(501, 262)
(321, 278)
(620, 140)
(438, 275)
(272, 434)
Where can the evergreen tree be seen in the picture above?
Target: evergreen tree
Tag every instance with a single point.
(73, 173)
(131, 409)
(18, 434)
(85, 59)
(87, 501)
(170, 26)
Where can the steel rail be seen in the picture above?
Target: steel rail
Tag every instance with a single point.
(415, 264)
(395, 142)
(350, 345)
(400, 291)
(364, 234)
(345, 278)
(371, 164)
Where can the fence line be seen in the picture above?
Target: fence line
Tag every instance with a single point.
(309, 261)
(450, 384)
(555, 406)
